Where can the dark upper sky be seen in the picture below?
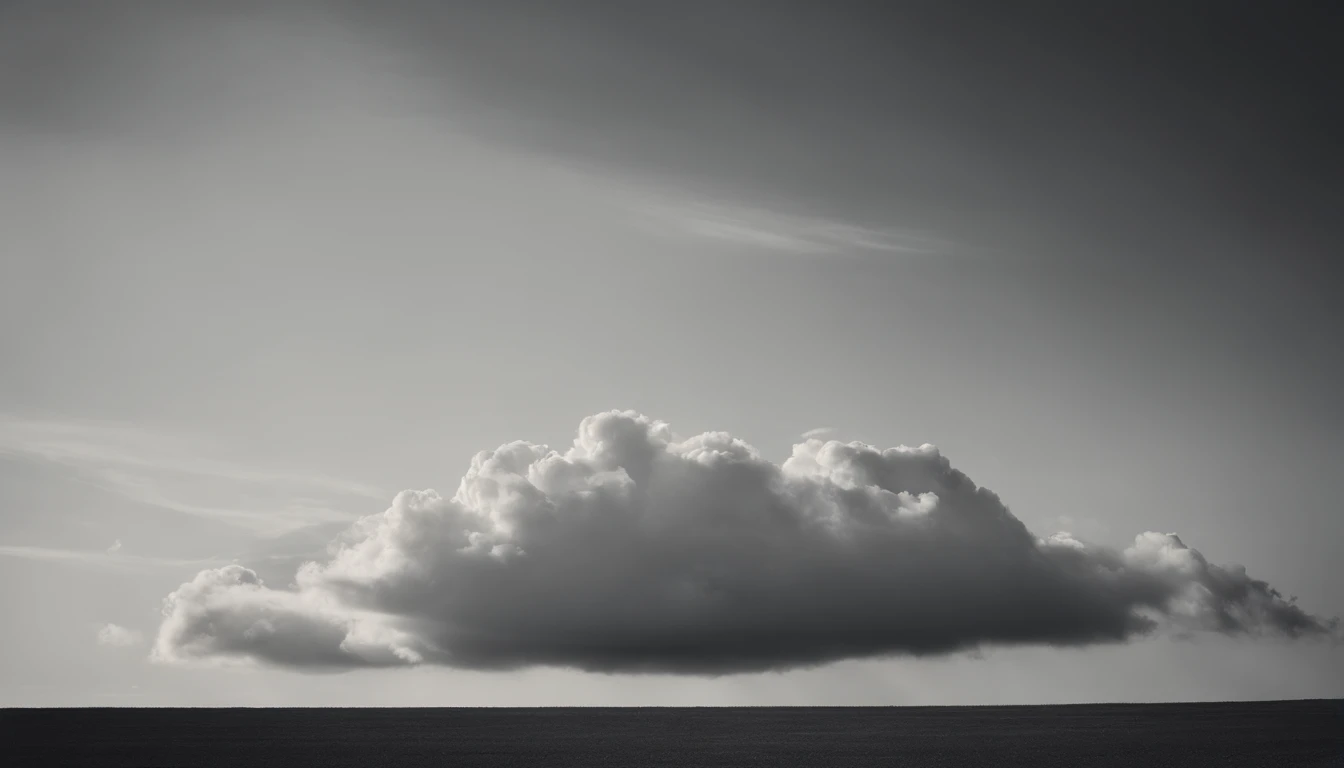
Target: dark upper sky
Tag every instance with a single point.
(1128, 124)
(1176, 166)
(1130, 127)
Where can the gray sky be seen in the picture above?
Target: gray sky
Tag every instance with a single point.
(264, 268)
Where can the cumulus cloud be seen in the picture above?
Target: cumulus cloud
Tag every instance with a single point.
(634, 551)
(117, 636)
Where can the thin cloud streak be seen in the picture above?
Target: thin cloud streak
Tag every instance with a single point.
(79, 443)
(102, 558)
(141, 466)
(265, 519)
(757, 228)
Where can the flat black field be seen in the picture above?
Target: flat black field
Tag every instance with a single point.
(1297, 733)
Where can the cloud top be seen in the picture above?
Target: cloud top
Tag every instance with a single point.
(633, 551)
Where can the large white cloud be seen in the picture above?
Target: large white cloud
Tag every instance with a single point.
(632, 551)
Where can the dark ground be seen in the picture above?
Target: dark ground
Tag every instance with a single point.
(1300, 733)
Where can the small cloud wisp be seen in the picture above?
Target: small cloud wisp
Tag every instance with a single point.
(117, 636)
(770, 231)
(168, 473)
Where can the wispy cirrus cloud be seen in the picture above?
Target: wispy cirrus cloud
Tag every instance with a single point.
(276, 516)
(768, 230)
(171, 473)
(113, 559)
(77, 442)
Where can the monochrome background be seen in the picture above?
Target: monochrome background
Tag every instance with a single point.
(267, 265)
